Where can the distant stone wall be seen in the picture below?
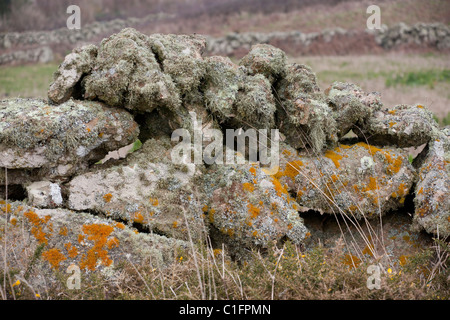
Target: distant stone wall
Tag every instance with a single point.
(66, 36)
(22, 47)
(436, 35)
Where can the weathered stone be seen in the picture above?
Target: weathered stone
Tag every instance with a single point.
(127, 74)
(266, 60)
(223, 79)
(59, 140)
(69, 73)
(432, 193)
(351, 105)
(44, 194)
(303, 115)
(180, 57)
(249, 207)
(357, 180)
(148, 190)
(255, 105)
(402, 126)
(51, 240)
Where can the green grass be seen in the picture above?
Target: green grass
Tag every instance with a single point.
(26, 81)
(419, 78)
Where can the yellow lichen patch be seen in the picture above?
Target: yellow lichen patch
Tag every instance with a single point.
(175, 224)
(402, 260)
(205, 208)
(255, 233)
(393, 112)
(420, 191)
(372, 185)
(98, 233)
(420, 106)
(330, 154)
(248, 186)
(217, 252)
(137, 217)
(38, 225)
(113, 243)
(54, 257)
(154, 202)
(278, 187)
(107, 197)
(351, 261)
(6, 208)
(334, 178)
(211, 215)
(253, 211)
(291, 170)
(72, 251)
(253, 171)
(63, 231)
(392, 123)
(120, 225)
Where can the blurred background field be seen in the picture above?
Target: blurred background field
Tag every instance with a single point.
(405, 75)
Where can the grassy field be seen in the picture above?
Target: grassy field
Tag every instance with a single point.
(407, 79)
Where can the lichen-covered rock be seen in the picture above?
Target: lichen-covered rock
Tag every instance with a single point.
(303, 115)
(402, 126)
(255, 104)
(180, 57)
(127, 74)
(222, 81)
(59, 140)
(249, 207)
(44, 194)
(351, 105)
(432, 194)
(51, 240)
(358, 180)
(148, 190)
(266, 60)
(69, 73)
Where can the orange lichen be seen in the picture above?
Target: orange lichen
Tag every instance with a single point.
(6, 208)
(72, 251)
(120, 225)
(392, 112)
(107, 197)
(98, 233)
(291, 170)
(391, 124)
(255, 233)
(205, 208)
(38, 225)
(402, 260)
(334, 178)
(63, 231)
(113, 243)
(154, 201)
(253, 171)
(254, 211)
(138, 217)
(54, 257)
(175, 224)
(80, 239)
(351, 261)
(420, 106)
(330, 154)
(248, 186)
(13, 221)
(372, 185)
